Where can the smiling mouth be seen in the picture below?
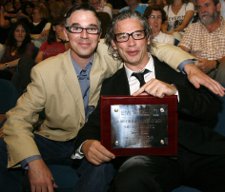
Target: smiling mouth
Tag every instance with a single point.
(132, 53)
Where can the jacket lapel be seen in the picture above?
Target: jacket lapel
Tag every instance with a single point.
(72, 83)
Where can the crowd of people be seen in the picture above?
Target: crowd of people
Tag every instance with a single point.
(58, 48)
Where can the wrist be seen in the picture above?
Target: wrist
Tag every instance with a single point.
(6, 65)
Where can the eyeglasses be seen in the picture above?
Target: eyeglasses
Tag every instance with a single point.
(78, 29)
(155, 16)
(136, 35)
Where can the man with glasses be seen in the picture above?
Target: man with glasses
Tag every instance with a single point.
(200, 161)
(66, 88)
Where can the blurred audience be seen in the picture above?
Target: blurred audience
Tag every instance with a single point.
(206, 40)
(222, 10)
(18, 44)
(179, 15)
(40, 25)
(101, 6)
(134, 5)
(55, 43)
(155, 16)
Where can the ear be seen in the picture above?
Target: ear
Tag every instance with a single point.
(113, 45)
(65, 34)
(99, 37)
(149, 40)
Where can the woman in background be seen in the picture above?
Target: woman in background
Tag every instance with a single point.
(18, 44)
(179, 15)
(40, 26)
(55, 43)
(155, 16)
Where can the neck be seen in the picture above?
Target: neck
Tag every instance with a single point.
(154, 34)
(19, 44)
(213, 26)
(177, 2)
(139, 65)
(81, 61)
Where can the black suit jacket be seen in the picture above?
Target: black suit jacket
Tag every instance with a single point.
(197, 111)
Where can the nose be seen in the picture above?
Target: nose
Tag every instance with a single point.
(201, 9)
(84, 34)
(131, 41)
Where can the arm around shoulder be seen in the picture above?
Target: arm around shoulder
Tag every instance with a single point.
(170, 54)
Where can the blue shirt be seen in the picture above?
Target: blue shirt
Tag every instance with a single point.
(83, 76)
(140, 8)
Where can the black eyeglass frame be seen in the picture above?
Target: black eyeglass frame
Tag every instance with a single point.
(87, 29)
(128, 36)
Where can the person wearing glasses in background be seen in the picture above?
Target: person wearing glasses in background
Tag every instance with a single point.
(66, 87)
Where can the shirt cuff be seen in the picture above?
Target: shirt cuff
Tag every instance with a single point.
(24, 163)
(185, 62)
(78, 154)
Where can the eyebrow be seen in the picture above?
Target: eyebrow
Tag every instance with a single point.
(90, 25)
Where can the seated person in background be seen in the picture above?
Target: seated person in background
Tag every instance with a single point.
(55, 43)
(156, 16)
(206, 39)
(27, 11)
(5, 23)
(179, 14)
(101, 6)
(39, 27)
(222, 10)
(18, 45)
(134, 5)
(56, 10)
(200, 161)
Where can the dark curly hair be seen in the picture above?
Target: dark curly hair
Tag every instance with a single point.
(149, 9)
(11, 41)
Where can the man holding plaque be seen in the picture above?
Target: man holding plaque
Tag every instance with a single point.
(200, 161)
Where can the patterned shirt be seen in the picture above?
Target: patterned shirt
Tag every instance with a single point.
(204, 44)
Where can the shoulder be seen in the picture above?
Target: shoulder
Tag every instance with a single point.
(189, 6)
(193, 27)
(53, 63)
(114, 78)
(164, 38)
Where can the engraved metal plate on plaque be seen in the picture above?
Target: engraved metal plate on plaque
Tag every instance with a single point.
(135, 126)
(140, 125)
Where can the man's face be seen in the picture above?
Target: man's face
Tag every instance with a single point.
(208, 11)
(82, 44)
(155, 21)
(133, 52)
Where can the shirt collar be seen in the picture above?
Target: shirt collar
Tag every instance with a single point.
(77, 67)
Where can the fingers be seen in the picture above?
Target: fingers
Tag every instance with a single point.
(96, 153)
(40, 177)
(156, 88)
(198, 78)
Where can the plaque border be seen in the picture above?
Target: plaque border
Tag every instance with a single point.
(171, 101)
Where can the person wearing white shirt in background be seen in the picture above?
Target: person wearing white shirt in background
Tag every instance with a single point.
(222, 10)
(179, 15)
(155, 16)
